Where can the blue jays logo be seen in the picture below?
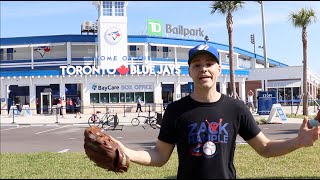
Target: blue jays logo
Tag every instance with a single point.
(113, 35)
(42, 50)
(203, 47)
(94, 87)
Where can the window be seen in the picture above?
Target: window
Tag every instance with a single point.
(94, 98)
(119, 8)
(165, 52)
(1, 54)
(10, 54)
(280, 95)
(154, 51)
(149, 97)
(139, 94)
(122, 97)
(133, 51)
(104, 97)
(296, 94)
(130, 97)
(114, 97)
(107, 8)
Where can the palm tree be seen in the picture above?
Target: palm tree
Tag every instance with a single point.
(227, 8)
(303, 19)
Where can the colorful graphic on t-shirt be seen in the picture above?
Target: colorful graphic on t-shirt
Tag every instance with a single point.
(204, 136)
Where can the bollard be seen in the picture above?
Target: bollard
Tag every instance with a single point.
(57, 112)
(13, 116)
(124, 110)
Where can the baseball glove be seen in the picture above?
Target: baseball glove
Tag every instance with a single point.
(103, 151)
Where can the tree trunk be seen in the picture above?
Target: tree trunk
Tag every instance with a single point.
(230, 29)
(305, 63)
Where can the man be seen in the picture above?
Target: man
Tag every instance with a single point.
(250, 100)
(204, 126)
(78, 108)
(139, 102)
(60, 107)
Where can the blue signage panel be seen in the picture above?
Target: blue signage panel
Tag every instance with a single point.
(265, 101)
(281, 114)
(190, 87)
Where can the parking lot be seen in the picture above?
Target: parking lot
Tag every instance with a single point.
(69, 137)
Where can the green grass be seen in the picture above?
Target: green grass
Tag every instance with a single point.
(302, 163)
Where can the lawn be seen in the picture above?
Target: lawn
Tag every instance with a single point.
(300, 164)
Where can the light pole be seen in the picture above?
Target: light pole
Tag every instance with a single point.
(266, 65)
(254, 45)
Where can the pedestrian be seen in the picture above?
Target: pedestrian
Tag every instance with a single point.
(78, 107)
(139, 102)
(204, 126)
(250, 101)
(70, 105)
(59, 105)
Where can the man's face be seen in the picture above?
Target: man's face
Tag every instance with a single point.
(204, 71)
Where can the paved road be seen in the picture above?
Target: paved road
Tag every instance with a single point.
(69, 138)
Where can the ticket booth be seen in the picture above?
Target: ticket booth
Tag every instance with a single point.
(45, 102)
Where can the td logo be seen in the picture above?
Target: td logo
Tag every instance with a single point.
(154, 27)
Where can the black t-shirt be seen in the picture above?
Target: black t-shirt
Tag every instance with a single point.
(205, 135)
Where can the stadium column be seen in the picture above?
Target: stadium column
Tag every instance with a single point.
(63, 94)
(177, 90)
(223, 85)
(242, 89)
(253, 63)
(4, 98)
(86, 96)
(157, 94)
(32, 101)
(146, 51)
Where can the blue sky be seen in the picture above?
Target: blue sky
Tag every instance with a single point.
(284, 44)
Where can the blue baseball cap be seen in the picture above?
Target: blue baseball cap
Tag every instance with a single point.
(203, 48)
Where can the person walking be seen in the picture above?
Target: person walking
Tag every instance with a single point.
(250, 101)
(203, 126)
(139, 102)
(60, 107)
(78, 107)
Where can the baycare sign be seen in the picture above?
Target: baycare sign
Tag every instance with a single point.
(123, 70)
(99, 88)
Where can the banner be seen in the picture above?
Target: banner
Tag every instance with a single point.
(13, 110)
(25, 111)
(277, 111)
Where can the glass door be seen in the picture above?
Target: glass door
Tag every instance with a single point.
(45, 102)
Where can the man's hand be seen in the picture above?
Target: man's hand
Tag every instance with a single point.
(307, 137)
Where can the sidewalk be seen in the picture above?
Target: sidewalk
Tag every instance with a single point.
(124, 119)
(41, 119)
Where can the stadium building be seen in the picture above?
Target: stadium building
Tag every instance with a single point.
(105, 66)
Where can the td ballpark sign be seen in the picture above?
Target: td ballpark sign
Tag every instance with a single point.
(155, 28)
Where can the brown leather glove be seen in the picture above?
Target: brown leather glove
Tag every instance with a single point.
(103, 151)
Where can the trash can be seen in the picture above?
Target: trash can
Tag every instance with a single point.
(159, 118)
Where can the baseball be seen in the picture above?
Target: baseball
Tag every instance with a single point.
(209, 148)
